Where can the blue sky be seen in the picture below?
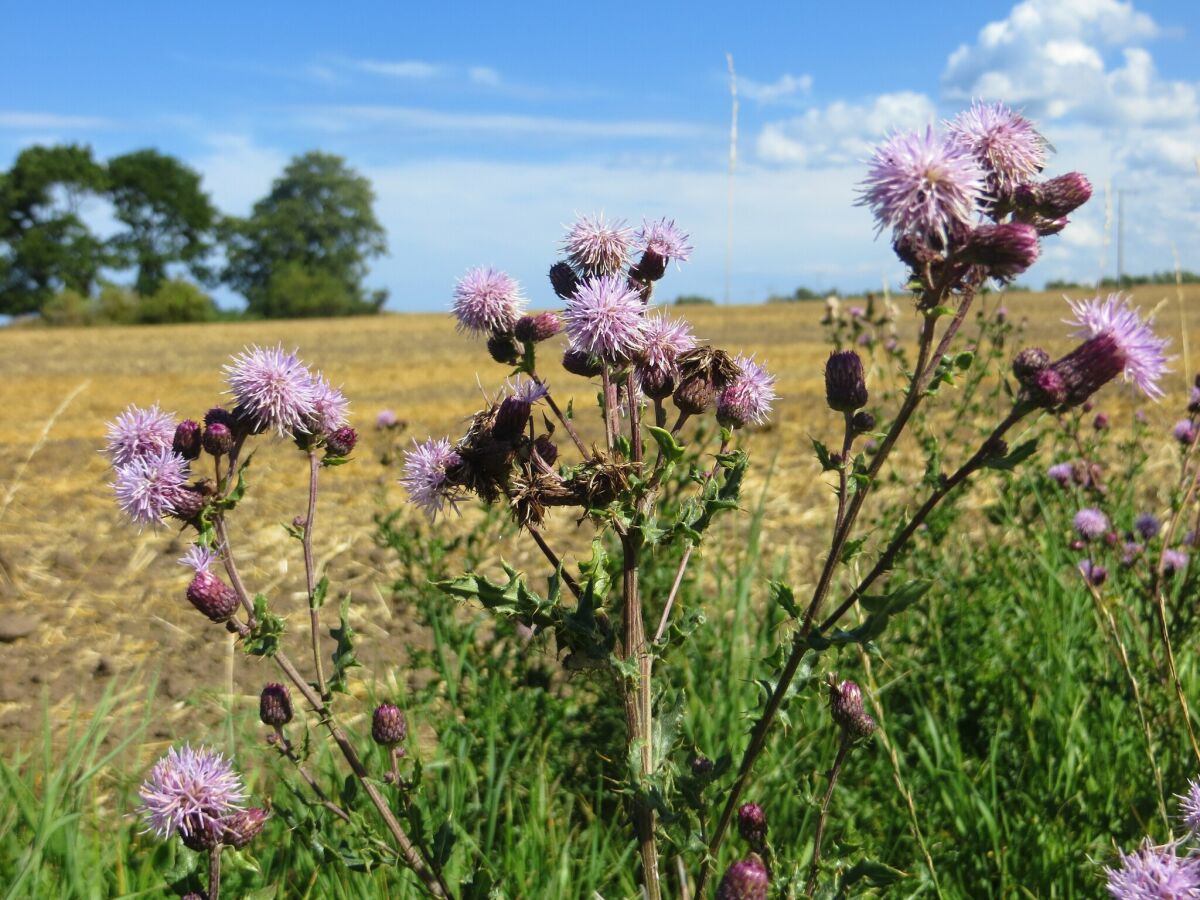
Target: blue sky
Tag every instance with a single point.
(485, 129)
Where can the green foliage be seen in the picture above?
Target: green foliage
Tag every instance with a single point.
(303, 250)
(694, 300)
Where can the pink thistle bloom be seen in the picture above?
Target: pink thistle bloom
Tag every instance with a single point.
(527, 389)
(386, 418)
(425, 476)
(1091, 523)
(1174, 561)
(1142, 352)
(1151, 872)
(1063, 473)
(198, 558)
(924, 186)
(606, 317)
(139, 432)
(749, 397)
(487, 300)
(1004, 142)
(1189, 806)
(665, 339)
(274, 388)
(663, 238)
(189, 791)
(331, 408)
(1184, 431)
(150, 487)
(597, 247)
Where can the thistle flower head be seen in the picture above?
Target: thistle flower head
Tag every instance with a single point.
(1184, 431)
(749, 398)
(1189, 806)
(150, 486)
(1147, 525)
(1154, 872)
(186, 441)
(845, 381)
(487, 300)
(746, 879)
(330, 407)
(526, 389)
(537, 328)
(923, 186)
(1093, 573)
(597, 247)
(386, 418)
(425, 475)
(139, 432)
(273, 388)
(198, 558)
(1004, 142)
(189, 791)
(1091, 523)
(606, 317)
(664, 239)
(1063, 473)
(1174, 561)
(1142, 352)
(665, 339)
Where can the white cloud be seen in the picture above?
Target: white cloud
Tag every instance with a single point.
(784, 87)
(29, 121)
(484, 75)
(408, 69)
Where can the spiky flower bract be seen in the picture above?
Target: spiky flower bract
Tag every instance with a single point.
(198, 558)
(1150, 873)
(606, 317)
(923, 186)
(425, 475)
(331, 408)
(1189, 806)
(487, 300)
(189, 791)
(273, 388)
(1091, 523)
(1144, 352)
(748, 399)
(1005, 142)
(664, 238)
(597, 247)
(149, 486)
(139, 432)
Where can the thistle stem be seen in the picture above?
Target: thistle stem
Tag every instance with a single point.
(843, 749)
(214, 872)
(310, 574)
(566, 423)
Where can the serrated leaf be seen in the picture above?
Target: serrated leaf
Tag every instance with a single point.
(824, 457)
(344, 658)
(265, 636)
(1014, 457)
(670, 448)
(852, 548)
(783, 595)
(317, 600)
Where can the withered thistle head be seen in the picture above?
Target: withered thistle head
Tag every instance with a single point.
(243, 826)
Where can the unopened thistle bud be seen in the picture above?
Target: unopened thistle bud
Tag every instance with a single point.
(846, 708)
(222, 415)
(651, 267)
(702, 767)
(1093, 573)
(657, 383)
(389, 726)
(546, 449)
(341, 442)
(695, 395)
(845, 381)
(1057, 197)
(580, 362)
(188, 503)
(218, 439)
(1073, 379)
(504, 348)
(564, 280)
(752, 825)
(243, 826)
(1028, 363)
(862, 422)
(211, 596)
(511, 418)
(541, 327)
(275, 705)
(187, 439)
(1006, 250)
(746, 879)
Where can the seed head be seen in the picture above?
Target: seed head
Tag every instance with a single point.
(845, 381)
(389, 726)
(275, 705)
(694, 395)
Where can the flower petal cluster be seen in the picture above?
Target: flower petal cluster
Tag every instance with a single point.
(189, 791)
(606, 317)
(1143, 352)
(150, 486)
(487, 300)
(597, 247)
(273, 388)
(1005, 142)
(139, 432)
(425, 476)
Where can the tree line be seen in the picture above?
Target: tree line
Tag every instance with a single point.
(302, 251)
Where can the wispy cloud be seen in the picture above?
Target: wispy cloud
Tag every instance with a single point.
(407, 69)
(785, 87)
(16, 120)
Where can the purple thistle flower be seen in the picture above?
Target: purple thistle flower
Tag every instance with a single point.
(1130, 551)
(1093, 573)
(139, 432)
(149, 487)
(665, 339)
(1174, 561)
(386, 418)
(746, 879)
(487, 300)
(331, 408)
(198, 558)
(273, 388)
(1189, 806)
(749, 397)
(1154, 872)
(597, 247)
(1142, 352)
(189, 791)
(1184, 432)
(664, 239)
(1091, 523)
(425, 475)
(1004, 142)
(527, 389)
(606, 317)
(1147, 525)
(923, 186)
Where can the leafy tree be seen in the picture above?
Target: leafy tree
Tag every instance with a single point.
(44, 244)
(315, 231)
(168, 217)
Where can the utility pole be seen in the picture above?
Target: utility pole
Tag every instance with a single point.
(1120, 238)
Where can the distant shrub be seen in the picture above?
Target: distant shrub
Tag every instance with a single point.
(68, 308)
(295, 291)
(175, 301)
(694, 300)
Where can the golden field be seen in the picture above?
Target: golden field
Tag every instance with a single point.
(85, 598)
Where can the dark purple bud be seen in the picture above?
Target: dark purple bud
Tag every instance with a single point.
(341, 442)
(212, 596)
(389, 726)
(702, 767)
(511, 418)
(541, 327)
(1006, 250)
(243, 826)
(915, 253)
(1093, 573)
(652, 267)
(846, 708)
(862, 422)
(243, 422)
(580, 362)
(564, 280)
(1147, 525)
(695, 395)
(1028, 363)
(187, 439)
(1100, 422)
(188, 504)
(1073, 379)
(746, 879)
(223, 416)
(275, 705)
(218, 439)
(504, 348)
(1057, 197)
(546, 449)
(752, 825)
(658, 383)
(845, 381)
